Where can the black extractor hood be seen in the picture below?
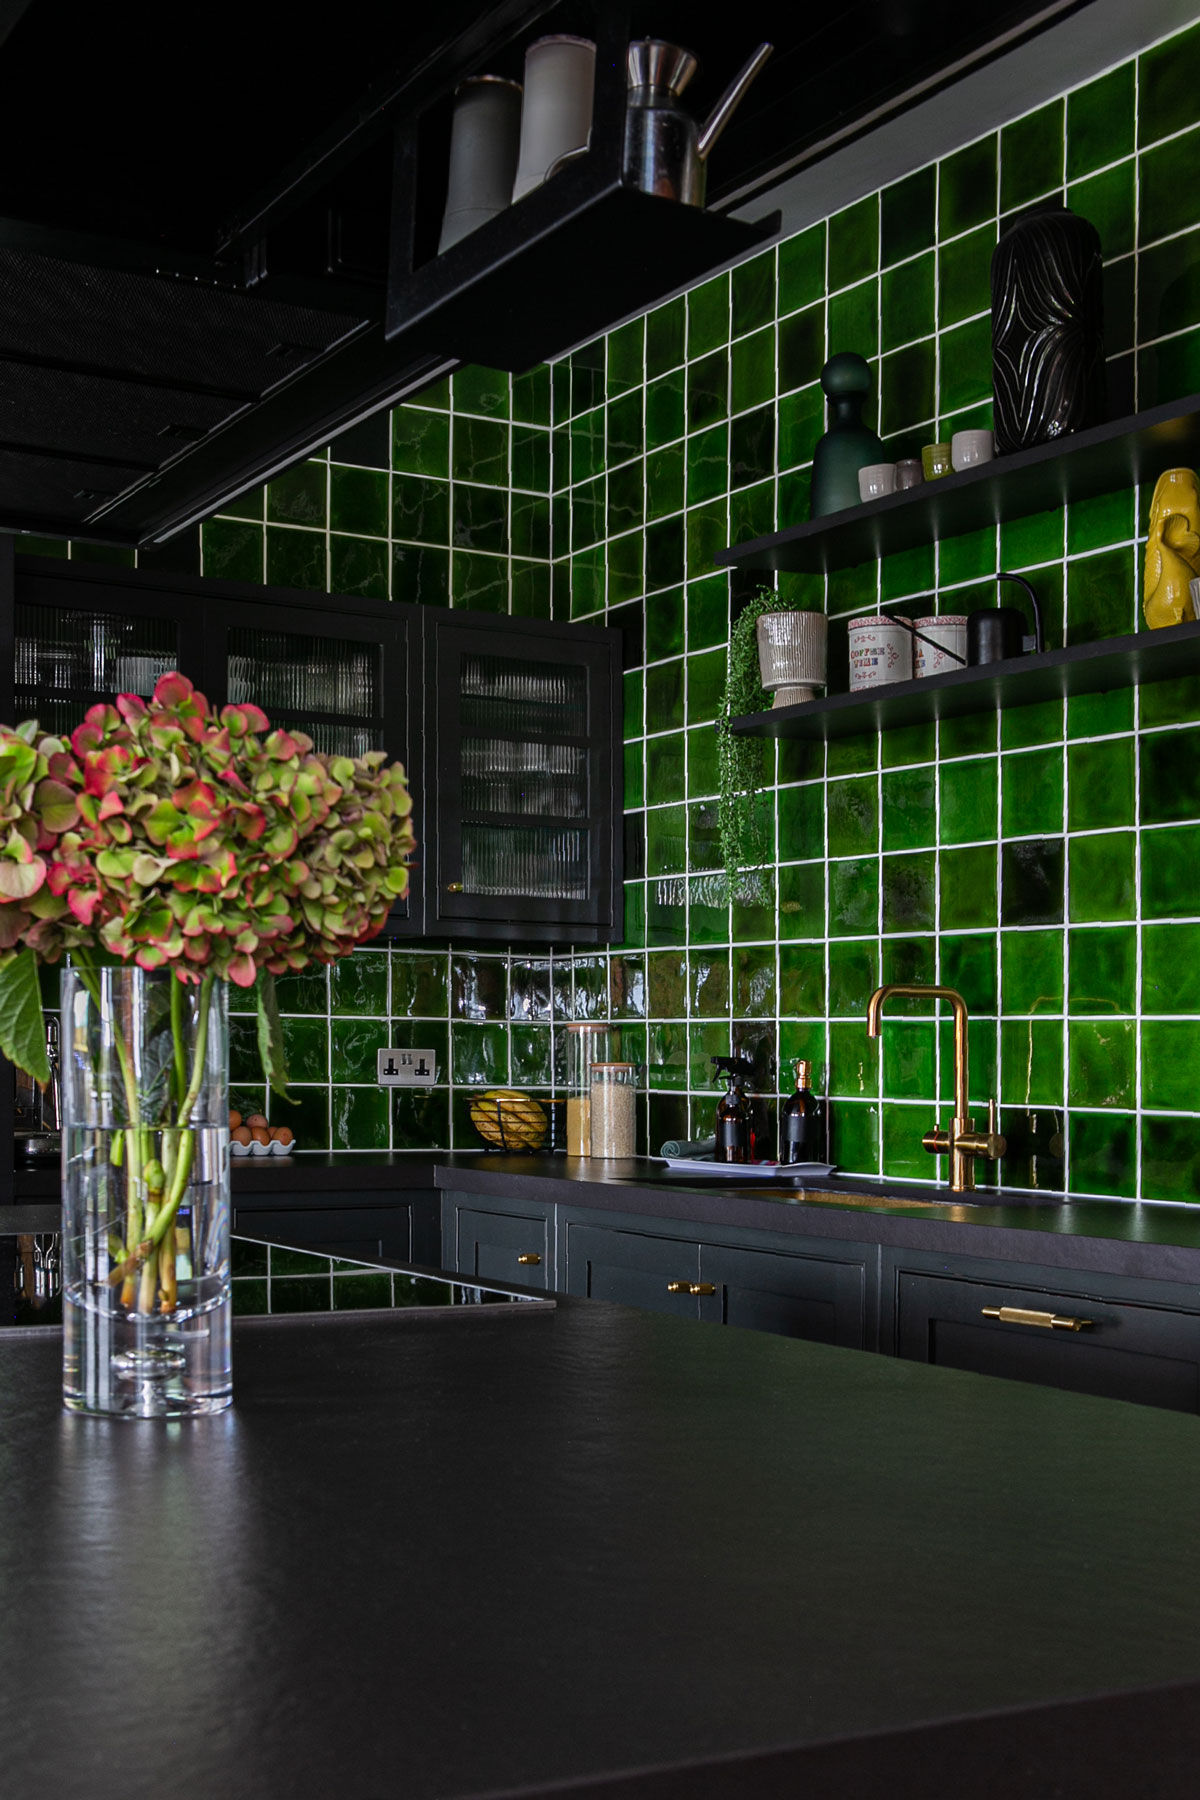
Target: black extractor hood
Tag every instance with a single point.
(218, 224)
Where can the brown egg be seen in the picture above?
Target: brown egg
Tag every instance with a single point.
(241, 1134)
(253, 1120)
(283, 1133)
(260, 1134)
(235, 1119)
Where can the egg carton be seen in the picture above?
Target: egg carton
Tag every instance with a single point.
(274, 1148)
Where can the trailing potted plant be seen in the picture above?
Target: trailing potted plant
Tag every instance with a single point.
(765, 649)
(168, 850)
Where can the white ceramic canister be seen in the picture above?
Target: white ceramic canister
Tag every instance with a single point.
(484, 135)
(791, 655)
(949, 631)
(880, 652)
(560, 74)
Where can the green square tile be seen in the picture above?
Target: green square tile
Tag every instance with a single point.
(358, 501)
(910, 961)
(906, 303)
(295, 558)
(421, 574)
(625, 431)
(1170, 1158)
(1103, 964)
(1169, 861)
(1101, 597)
(479, 581)
(966, 364)
(1031, 156)
(306, 1049)
(481, 451)
(479, 518)
(707, 317)
(908, 813)
(967, 188)
(1103, 1149)
(664, 481)
(1169, 782)
(531, 395)
(1169, 301)
(1109, 202)
(909, 889)
(968, 888)
(904, 1155)
(1168, 369)
(1090, 715)
(752, 373)
(971, 735)
(702, 774)
(665, 561)
(908, 215)
(708, 390)
(665, 768)
(852, 810)
(420, 1118)
(1169, 86)
(968, 963)
(966, 558)
(1170, 1051)
(852, 756)
(587, 376)
(1037, 538)
(478, 390)
(421, 509)
(853, 1062)
(626, 357)
(359, 1118)
(854, 324)
(305, 992)
(531, 459)
(752, 512)
(666, 840)
(246, 506)
(1093, 524)
(907, 744)
(232, 551)
(801, 820)
(853, 243)
(359, 566)
(664, 626)
(358, 986)
(479, 1054)
(1167, 199)
(1031, 964)
(907, 382)
(1023, 726)
(665, 330)
(753, 293)
(707, 532)
(1100, 121)
(664, 408)
(802, 269)
(706, 682)
(1102, 877)
(1100, 1070)
(801, 422)
(752, 447)
(754, 984)
(587, 445)
(1100, 784)
(967, 800)
(909, 1049)
(1170, 702)
(1031, 875)
(707, 463)
(635, 788)
(854, 897)
(530, 525)
(298, 497)
(1031, 1062)
(421, 442)
(1171, 968)
(1033, 792)
(626, 567)
(853, 976)
(964, 276)
(855, 1138)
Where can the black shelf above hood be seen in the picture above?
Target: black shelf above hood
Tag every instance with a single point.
(194, 262)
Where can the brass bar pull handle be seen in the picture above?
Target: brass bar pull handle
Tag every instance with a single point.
(454, 887)
(1020, 1315)
(529, 1257)
(696, 1288)
(679, 1287)
(703, 1287)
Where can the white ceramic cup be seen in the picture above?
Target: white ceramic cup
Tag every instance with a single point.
(560, 74)
(484, 135)
(970, 447)
(876, 480)
(909, 473)
(880, 652)
(949, 632)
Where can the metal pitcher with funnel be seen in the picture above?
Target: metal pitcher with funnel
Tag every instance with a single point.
(666, 151)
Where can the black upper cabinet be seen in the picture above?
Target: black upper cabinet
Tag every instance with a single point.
(524, 723)
(508, 728)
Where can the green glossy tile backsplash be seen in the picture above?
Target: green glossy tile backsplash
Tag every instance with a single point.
(1042, 861)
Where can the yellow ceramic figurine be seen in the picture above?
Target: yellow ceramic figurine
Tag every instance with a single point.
(1172, 549)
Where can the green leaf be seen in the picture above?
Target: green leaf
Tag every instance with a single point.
(270, 1036)
(22, 1027)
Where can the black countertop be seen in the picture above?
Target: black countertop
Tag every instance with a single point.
(441, 1555)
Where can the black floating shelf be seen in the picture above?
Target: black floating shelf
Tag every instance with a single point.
(1093, 668)
(1088, 463)
(561, 266)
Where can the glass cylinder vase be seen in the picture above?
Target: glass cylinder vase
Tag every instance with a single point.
(145, 1119)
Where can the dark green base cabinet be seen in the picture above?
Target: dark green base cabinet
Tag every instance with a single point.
(1129, 1345)
(514, 1248)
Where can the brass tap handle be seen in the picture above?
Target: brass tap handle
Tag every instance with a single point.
(1021, 1315)
(529, 1257)
(989, 1144)
(936, 1142)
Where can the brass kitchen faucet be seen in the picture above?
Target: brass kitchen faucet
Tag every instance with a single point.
(961, 1142)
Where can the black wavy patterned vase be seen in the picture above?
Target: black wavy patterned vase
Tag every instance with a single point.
(1047, 329)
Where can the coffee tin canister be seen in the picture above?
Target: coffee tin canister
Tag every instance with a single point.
(948, 649)
(880, 652)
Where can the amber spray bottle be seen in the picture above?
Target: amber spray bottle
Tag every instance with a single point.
(733, 1111)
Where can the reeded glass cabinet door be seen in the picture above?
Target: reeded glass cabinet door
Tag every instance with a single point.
(524, 746)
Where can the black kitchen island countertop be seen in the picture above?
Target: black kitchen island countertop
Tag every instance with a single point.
(431, 1556)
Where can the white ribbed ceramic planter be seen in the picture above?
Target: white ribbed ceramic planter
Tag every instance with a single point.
(791, 655)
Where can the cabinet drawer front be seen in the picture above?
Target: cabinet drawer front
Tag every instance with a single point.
(633, 1269)
(501, 1247)
(795, 1296)
(1126, 1352)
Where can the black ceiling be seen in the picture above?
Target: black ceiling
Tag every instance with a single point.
(195, 206)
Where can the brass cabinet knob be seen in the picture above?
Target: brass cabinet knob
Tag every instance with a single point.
(454, 887)
(1020, 1315)
(529, 1257)
(697, 1288)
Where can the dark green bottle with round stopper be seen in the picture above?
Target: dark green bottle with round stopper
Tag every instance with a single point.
(848, 445)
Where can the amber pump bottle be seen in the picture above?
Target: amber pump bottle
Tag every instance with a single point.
(800, 1121)
(733, 1111)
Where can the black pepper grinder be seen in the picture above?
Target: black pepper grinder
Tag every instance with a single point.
(733, 1111)
(800, 1120)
